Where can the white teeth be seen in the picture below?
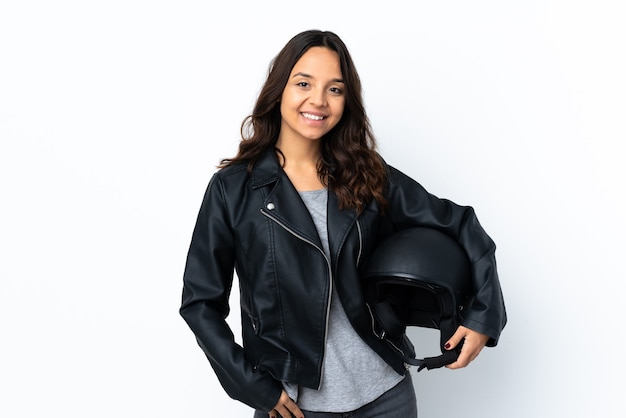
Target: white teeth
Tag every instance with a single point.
(312, 117)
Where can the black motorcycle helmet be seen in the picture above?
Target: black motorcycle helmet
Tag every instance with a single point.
(418, 277)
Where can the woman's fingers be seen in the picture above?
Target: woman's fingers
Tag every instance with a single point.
(472, 345)
(286, 408)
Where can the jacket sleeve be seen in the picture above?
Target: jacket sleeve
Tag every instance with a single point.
(411, 205)
(207, 283)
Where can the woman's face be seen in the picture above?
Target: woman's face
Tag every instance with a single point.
(313, 100)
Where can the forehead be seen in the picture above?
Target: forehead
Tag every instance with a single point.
(318, 61)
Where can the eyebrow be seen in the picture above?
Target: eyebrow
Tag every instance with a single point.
(305, 75)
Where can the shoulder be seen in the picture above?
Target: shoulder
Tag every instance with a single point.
(392, 171)
(236, 169)
(226, 180)
(235, 175)
(398, 178)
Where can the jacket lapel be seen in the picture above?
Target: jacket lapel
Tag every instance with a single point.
(340, 222)
(282, 203)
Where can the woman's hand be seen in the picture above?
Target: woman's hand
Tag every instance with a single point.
(474, 342)
(285, 408)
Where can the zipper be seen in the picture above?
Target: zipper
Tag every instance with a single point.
(255, 325)
(382, 335)
(358, 257)
(330, 290)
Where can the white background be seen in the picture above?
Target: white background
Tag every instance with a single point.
(114, 114)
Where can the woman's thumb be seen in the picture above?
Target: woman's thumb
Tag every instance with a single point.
(455, 339)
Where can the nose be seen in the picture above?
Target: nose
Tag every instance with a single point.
(318, 97)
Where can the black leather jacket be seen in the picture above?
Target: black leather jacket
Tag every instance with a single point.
(257, 224)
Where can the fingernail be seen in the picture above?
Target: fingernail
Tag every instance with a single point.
(447, 346)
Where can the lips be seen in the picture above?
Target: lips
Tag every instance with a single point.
(311, 116)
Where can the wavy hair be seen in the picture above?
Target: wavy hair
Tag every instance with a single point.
(349, 165)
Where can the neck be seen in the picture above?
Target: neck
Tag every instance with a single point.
(300, 164)
(301, 154)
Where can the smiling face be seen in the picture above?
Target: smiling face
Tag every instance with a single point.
(313, 100)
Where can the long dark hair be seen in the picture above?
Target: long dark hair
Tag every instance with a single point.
(349, 164)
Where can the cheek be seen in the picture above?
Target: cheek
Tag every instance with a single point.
(339, 108)
(285, 105)
(289, 101)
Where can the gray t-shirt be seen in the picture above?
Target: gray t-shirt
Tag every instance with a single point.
(353, 374)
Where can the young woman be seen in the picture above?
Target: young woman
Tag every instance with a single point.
(296, 214)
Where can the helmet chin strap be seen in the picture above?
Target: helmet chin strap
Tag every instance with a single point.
(392, 330)
(447, 357)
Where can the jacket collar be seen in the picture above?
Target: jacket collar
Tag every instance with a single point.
(283, 203)
(266, 169)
